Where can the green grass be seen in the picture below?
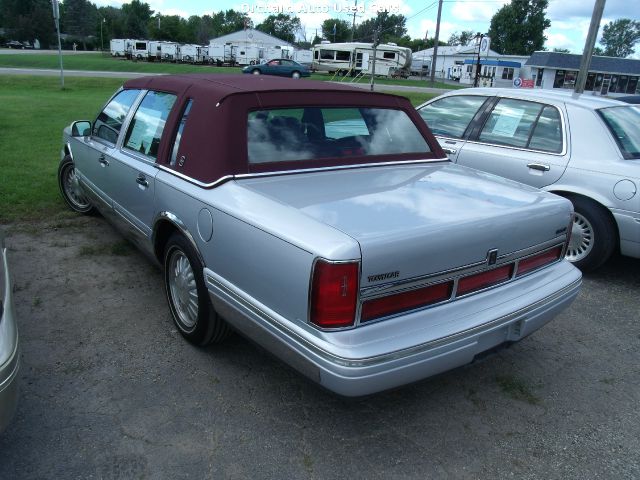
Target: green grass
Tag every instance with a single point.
(34, 112)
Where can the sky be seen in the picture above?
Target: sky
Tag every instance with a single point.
(569, 18)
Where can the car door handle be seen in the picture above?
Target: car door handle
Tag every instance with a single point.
(142, 180)
(103, 161)
(449, 150)
(539, 166)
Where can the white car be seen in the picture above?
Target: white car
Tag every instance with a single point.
(581, 147)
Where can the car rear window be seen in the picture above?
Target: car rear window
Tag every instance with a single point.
(313, 133)
(623, 123)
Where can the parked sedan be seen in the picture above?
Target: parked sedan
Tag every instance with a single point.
(9, 352)
(322, 221)
(584, 148)
(280, 67)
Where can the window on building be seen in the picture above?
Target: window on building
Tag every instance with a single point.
(591, 80)
(622, 84)
(558, 81)
(539, 77)
(507, 73)
(570, 79)
(632, 86)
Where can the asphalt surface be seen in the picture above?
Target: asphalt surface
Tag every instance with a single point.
(110, 390)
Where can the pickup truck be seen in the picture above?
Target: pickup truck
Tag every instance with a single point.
(321, 221)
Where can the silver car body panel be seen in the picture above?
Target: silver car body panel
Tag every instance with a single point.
(259, 236)
(9, 346)
(594, 165)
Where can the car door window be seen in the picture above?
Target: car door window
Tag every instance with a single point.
(547, 134)
(109, 122)
(176, 143)
(148, 123)
(510, 123)
(450, 116)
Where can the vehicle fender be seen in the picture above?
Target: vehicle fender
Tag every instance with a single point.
(164, 224)
(563, 190)
(67, 150)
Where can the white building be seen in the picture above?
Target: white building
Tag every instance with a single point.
(250, 37)
(459, 63)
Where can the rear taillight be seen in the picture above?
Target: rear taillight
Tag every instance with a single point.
(334, 294)
(401, 302)
(487, 279)
(537, 261)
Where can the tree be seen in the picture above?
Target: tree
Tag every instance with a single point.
(620, 37)
(29, 20)
(230, 21)
(518, 28)
(282, 26)
(342, 30)
(463, 38)
(391, 28)
(136, 18)
(78, 18)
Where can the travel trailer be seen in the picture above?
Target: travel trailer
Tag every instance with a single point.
(118, 47)
(356, 58)
(303, 57)
(191, 53)
(170, 51)
(138, 49)
(220, 54)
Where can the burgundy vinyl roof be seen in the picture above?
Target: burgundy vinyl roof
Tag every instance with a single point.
(214, 141)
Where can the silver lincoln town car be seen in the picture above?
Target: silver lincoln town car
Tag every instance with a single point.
(321, 221)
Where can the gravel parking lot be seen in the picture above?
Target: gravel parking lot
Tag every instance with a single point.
(109, 389)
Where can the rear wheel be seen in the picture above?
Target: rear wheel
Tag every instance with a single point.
(255, 71)
(593, 235)
(70, 188)
(295, 75)
(187, 294)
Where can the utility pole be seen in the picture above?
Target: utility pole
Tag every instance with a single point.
(434, 59)
(479, 36)
(56, 20)
(376, 32)
(353, 25)
(589, 43)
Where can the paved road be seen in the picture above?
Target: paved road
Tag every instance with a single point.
(110, 390)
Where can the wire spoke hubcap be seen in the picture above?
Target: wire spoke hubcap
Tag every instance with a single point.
(183, 289)
(582, 239)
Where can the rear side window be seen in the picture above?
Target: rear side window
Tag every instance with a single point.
(547, 134)
(523, 124)
(313, 133)
(450, 116)
(109, 122)
(623, 123)
(148, 123)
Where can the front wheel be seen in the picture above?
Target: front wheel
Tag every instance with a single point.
(70, 188)
(187, 294)
(593, 235)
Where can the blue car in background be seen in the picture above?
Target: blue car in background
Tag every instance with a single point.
(278, 66)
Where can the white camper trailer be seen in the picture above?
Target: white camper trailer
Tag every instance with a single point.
(139, 49)
(355, 58)
(303, 57)
(269, 53)
(155, 51)
(170, 51)
(118, 47)
(190, 53)
(246, 54)
(220, 54)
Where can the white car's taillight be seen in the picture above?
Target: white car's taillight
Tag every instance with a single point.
(334, 294)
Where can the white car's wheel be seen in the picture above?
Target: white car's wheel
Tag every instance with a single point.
(593, 235)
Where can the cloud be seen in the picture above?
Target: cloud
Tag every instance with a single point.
(476, 11)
